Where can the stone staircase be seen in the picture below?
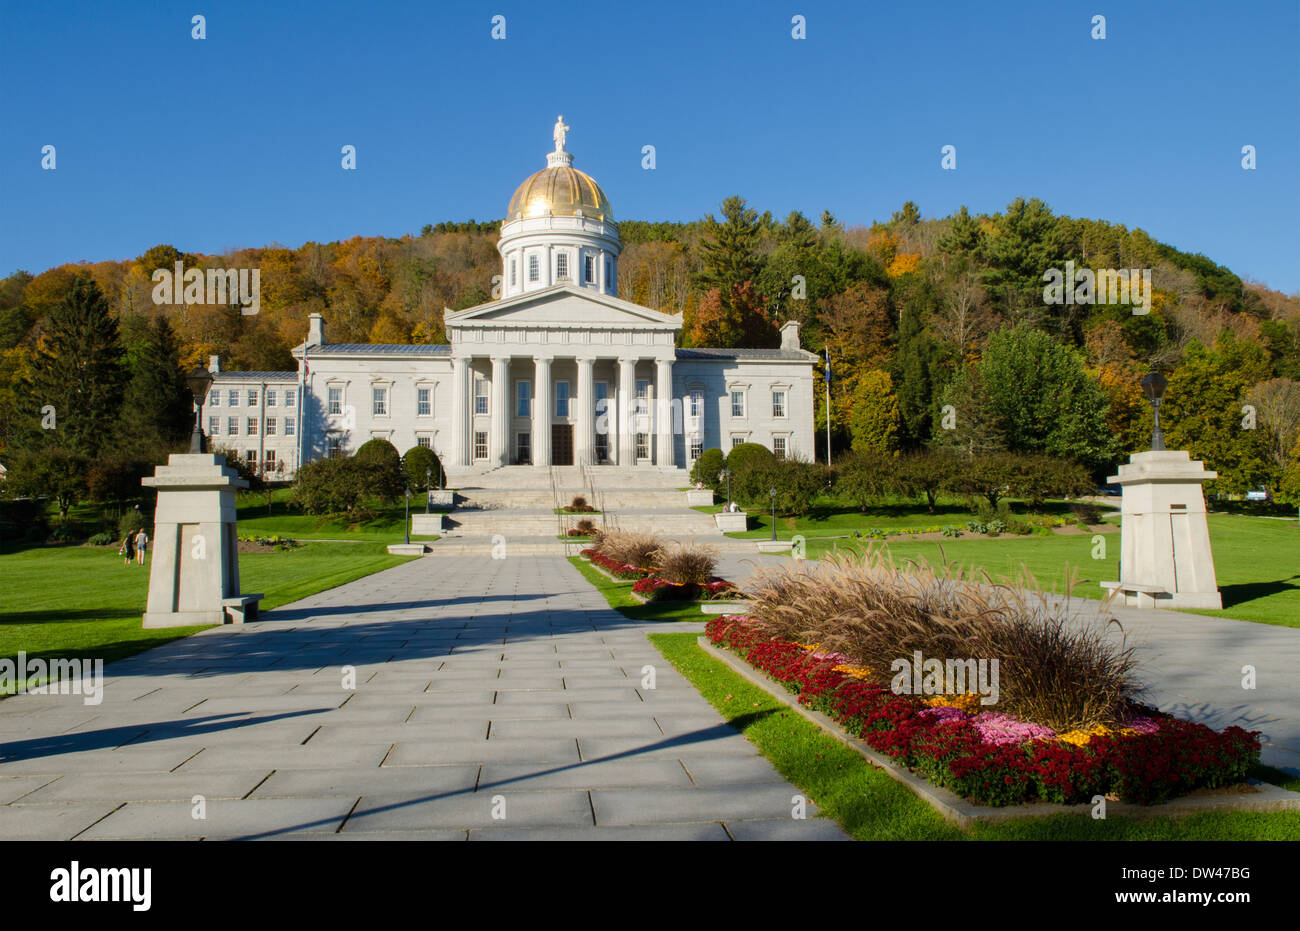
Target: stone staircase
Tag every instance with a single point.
(514, 506)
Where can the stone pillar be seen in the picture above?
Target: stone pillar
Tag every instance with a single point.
(500, 439)
(542, 410)
(600, 270)
(1165, 556)
(626, 411)
(664, 455)
(584, 441)
(195, 563)
(460, 407)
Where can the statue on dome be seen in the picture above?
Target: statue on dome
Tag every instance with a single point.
(559, 133)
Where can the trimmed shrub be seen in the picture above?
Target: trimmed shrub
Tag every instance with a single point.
(419, 462)
(382, 465)
(707, 467)
(102, 539)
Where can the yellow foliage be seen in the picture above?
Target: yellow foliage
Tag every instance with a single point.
(904, 264)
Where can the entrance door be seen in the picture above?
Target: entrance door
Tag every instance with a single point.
(562, 444)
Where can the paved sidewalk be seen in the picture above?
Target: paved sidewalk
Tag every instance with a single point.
(483, 687)
(1192, 665)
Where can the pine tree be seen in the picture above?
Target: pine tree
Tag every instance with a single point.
(78, 372)
(157, 409)
(729, 249)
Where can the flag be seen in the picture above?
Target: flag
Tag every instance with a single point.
(828, 365)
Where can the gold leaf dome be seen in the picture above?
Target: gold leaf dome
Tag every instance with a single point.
(560, 190)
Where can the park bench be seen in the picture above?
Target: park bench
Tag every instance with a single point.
(240, 608)
(1144, 595)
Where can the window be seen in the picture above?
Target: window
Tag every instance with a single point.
(697, 447)
(480, 395)
(271, 397)
(642, 396)
(232, 398)
(288, 426)
(423, 407)
(589, 270)
(562, 265)
(270, 426)
(251, 457)
(289, 397)
(214, 398)
(643, 445)
(737, 439)
(602, 446)
(379, 402)
(424, 441)
(335, 395)
(737, 402)
(252, 397)
(523, 398)
(523, 448)
(214, 426)
(609, 271)
(480, 444)
(534, 268)
(269, 458)
(778, 403)
(252, 426)
(514, 272)
(232, 426)
(561, 399)
(778, 447)
(333, 447)
(696, 402)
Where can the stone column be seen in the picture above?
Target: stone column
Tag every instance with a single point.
(584, 442)
(460, 406)
(542, 410)
(664, 413)
(500, 411)
(626, 412)
(600, 271)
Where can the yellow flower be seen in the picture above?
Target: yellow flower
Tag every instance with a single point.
(857, 672)
(967, 701)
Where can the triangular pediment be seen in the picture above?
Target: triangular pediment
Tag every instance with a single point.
(562, 305)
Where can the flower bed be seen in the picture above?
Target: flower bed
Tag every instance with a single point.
(653, 588)
(619, 570)
(992, 758)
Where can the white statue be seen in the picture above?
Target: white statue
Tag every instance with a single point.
(559, 133)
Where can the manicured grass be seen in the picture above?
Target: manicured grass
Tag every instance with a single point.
(1256, 559)
(620, 598)
(62, 602)
(283, 521)
(869, 805)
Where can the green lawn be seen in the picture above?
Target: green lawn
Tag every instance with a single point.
(80, 601)
(385, 527)
(620, 598)
(1257, 561)
(870, 805)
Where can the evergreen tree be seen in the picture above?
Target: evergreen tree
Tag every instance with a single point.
(729, 249)
(78, 372)
(158, 408)
(964, 235)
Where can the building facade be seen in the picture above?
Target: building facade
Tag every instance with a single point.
(556, 371)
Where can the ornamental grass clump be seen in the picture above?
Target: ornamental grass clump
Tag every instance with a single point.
(629, 547)
(686, 563)
(1055, 668)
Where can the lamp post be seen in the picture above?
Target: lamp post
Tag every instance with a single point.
(1153, 385)
(408, 515)
(725, 476)
(200, 381)
(428, 488)
(772, 491)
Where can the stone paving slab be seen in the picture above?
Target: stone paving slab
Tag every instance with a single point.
(478, 683)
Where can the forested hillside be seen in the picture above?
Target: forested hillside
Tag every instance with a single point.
(937, 329)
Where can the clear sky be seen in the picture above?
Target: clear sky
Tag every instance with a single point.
(235, 140)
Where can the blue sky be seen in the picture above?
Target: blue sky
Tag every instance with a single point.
(235, 140)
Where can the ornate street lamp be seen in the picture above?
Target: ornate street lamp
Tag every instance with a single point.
(408, 515)
(725, 476)
(200, 381)
(1153, 385)
(772, 491)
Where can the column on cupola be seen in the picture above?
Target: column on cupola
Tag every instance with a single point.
(627, 412)
(542, 411)
(664, 413)
(586, 401)
(600, 271)
(500, 411)
(460, 451)
(549, 278)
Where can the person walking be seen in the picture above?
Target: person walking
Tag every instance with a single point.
(128, 549)
(141, 546)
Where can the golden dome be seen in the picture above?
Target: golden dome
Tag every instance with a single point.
(560, 190)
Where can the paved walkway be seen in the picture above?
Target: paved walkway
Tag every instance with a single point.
(483, 687)
(1192, 665)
